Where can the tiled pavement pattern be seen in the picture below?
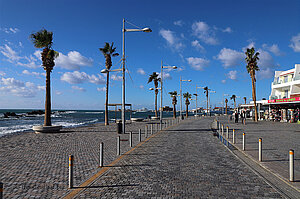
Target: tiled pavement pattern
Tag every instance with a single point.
(277, 139)
(186, 161)
(36, 165)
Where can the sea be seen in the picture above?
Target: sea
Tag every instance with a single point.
(67, 118)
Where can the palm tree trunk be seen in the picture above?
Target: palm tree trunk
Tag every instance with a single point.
(106, 100)
(187, 111)
(174, 111)
(254, 97)
(226, 109)
(234, 105)
(156, 104)
(47, 120)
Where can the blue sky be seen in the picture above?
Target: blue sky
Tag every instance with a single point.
(204, 39)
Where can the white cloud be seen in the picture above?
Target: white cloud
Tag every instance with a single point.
(19, 88)
(2, 73)
(228, 30)
(197, 63)
(274, 49)
(223, 81)
(31, 62)
(178, 23)
(101, 89)
(197, 45)
(232, 74)
(265, 60)
(58, 92)
(265, 73)
(172, 40)
(78, 88)
(204, 33)
(77, 77)
(250, 45)
(72, 61)
(141, 71)
(295, 43)
(230, 58)
(37, 54)
(36, 74)
(141, 87)
(8, 52)
(10, 30)
(116, 77)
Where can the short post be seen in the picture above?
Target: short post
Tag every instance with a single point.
(244, 141)
(259, 149)
(146, 131)
(233, 136)
(292, 178)
(118, 145)
(140, 135)
(71, 161)
(1, 190)
(227, 132)
(151, 129)
(101, 155)
(222, 129)
(130, 139)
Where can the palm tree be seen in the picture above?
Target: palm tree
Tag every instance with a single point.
(174, 102)
(233, 97)
(226, 101)
(187, 96)
(206, 90)
(108, 51)
(154, 77)
(43, 39)
(245, 99)
(251, 59)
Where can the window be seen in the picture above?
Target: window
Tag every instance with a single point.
(285, 79)
(286, 93)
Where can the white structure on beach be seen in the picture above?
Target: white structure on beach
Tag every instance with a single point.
(286, 84)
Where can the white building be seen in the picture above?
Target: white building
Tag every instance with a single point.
(286, 84)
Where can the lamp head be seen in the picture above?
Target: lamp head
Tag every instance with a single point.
(151, 89)
(189, 80)
(104, 70)
(147, 30)
(174, 67)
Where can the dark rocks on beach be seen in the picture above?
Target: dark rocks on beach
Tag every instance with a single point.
(10, 114)
(38, 112)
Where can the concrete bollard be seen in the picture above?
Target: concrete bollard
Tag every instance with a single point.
(292, 177)
(71, 165)
(260, 149)
(101, 155)
(151, 129)
(244, 141)
(146, 131)
(1, 190)
(118, 145)
(227, 132)
(130, 139)
(140, 135)
(233, 136)
(222, 129)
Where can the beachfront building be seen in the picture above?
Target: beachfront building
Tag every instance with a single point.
(284, 102)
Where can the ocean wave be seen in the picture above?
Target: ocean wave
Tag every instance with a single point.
(94, 112)
(73, 124)
(14, 129)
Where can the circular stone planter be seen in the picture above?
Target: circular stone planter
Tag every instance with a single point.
(137, 119)
(46, 129)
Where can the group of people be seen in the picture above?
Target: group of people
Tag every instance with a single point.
(236, 116)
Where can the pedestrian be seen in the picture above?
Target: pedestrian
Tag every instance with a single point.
(236, 117)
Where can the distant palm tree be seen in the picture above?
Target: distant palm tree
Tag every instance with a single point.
(187, 96)
(233, 97)
(154, 77)
(206, 90)
(226, 101)
(108, 51)
(251, 59)
(174, 102)
(43, 39)
(245, 99)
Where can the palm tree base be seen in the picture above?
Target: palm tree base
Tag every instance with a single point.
(46, 129)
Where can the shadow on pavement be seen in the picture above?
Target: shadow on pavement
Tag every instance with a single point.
(107, 186)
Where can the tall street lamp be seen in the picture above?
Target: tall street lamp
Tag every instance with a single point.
(181, 80)
(123, 68)
(196, 95)
(209, 101)
(161, 90)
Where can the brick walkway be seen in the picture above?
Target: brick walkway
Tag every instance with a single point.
(36, 165)
(186, 161)
(277, 139)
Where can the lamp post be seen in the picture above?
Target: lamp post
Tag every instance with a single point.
(209, 101)
(161, 91)
(196, 95)
(181, 80)
(123, 68)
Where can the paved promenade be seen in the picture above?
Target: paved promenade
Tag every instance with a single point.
(185, 161)
(277, 139)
